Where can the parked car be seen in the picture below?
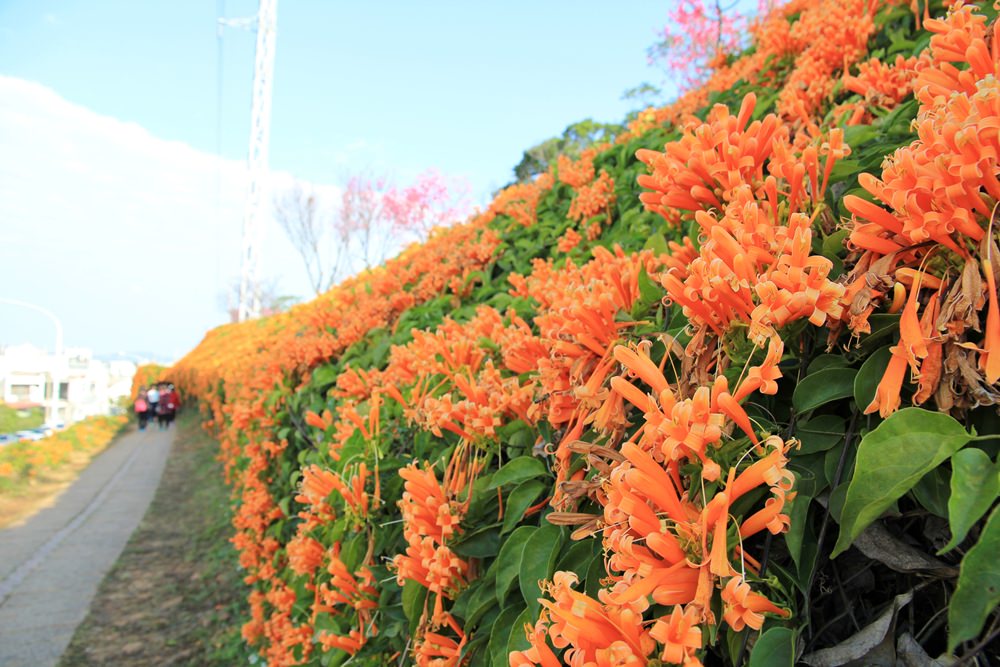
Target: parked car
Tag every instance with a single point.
(31, 434)
(7, 438)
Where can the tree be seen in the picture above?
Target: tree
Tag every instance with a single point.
(645, 94)
(319, 240)
(380, 217)
(363, 218)
(574, 140)
(432, 200)
(366, 220)
(696, 34)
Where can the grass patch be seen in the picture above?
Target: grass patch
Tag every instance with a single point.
(12, 420)
(175, 596)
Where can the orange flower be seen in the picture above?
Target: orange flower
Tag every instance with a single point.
(593, 198)
(744, 608)
(680, 635)
(576, 173)
(885, 85)
(887, 394)
(568, 241)
(596, 633)
(305, 555)
(322, 423)
(540, 653)
(702, 170)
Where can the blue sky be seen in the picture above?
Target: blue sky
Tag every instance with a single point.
(118, 215)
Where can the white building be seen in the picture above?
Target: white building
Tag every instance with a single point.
(87, 386)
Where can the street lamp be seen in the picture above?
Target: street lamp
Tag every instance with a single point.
(56, 380)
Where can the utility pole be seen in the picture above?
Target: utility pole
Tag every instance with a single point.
(260, 136)
(56, 371)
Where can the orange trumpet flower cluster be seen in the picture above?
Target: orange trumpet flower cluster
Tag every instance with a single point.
(344, 591)
(591, 199)
(520, 201)
(827, 38)
(667, 543)
(430, 519)
(579, 172)
(755, 265)
(453, 357)
(884, 85)
(675, 428)
(704, 167)
(569, 240)
(941, 192)
(594, 193)
(592, 633)
(437, 650)
(577, 325)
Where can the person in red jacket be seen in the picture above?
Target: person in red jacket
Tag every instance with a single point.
(170, 402)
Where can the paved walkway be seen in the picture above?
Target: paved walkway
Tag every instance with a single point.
(51, 566)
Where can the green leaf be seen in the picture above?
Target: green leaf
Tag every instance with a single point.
(882, 324)
(517, 640)
(537, 561)
(517, 470)
(820, 434)
(478, 604)
(734, 640)
(825, 361)
(482, 543)
(810, 476)
(859, 134)
(579, 557)
(595, 573)
(324, 376)
(822, 387)
(798, 516)
(658, 244)
(509, 560)
(500, 633)
(932, 492)
(978, 591)
(517, 434)
(831, 461)
(775, 648)
(891, 460)
(834, 244)
(975, 485)
(869, 376)
(519, 500)
(414, 596)
(352, 550)
(649, 291)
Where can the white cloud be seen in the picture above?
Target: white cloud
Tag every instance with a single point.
(129, 238)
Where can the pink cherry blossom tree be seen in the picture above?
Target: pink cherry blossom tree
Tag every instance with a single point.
(697, 33)
(379, 217)
(432, 200)
(358, 224)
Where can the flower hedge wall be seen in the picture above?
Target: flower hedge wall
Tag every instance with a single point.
(722, 392)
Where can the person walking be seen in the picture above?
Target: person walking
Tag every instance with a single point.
(170, 400)
(141, 407)
(153, 398)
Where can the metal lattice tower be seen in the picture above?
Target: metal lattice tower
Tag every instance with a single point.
(260, 135)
